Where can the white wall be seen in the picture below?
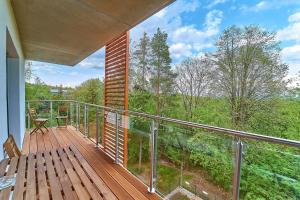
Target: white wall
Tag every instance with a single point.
(7, 22)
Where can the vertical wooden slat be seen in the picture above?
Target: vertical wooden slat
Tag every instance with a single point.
(116, 90)
(126, 101)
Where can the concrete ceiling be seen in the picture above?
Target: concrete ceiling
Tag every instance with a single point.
(67, 31)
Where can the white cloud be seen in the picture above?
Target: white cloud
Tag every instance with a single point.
(295, 17)
(269, 4)
(215, 2)
(197, 39)
(167, 19)
(161, 13)
(292, 31)
(290, 55)
(180, 49)
(181, 40)
(96, 60)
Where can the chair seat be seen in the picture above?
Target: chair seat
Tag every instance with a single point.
(41, 120)
(61, 117)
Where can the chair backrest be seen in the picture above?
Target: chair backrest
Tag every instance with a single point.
(62, 111)
(32, 113)
(11, 148)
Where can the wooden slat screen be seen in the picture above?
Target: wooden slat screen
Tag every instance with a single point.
(116, 95)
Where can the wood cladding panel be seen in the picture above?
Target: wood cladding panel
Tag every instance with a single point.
(116, 95)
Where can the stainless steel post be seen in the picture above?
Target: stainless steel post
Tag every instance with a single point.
(78, 117)
(97, 127)
(84, 120)
(51, 114)
(87, 131)
(153, 150)
(71, 113)
(117, 139)
(237, 169)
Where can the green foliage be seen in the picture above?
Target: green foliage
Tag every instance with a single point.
(214, 155)
(248, 70)
(37, 92)
(90, 91)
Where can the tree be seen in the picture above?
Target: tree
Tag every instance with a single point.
(90, 91)
(140, 95)
(194, 78)
(162, 77)
(38, 81)
(141, 61)
(248, 69)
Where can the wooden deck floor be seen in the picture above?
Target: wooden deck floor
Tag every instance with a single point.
(123, 184)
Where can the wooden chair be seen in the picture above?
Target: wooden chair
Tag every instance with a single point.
(11, 148)
(62, 114)
(38, 122)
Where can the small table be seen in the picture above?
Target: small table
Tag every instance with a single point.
(57, 174)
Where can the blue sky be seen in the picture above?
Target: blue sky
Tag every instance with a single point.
(193, 27)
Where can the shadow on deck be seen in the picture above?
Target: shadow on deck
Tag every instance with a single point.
(121, 183)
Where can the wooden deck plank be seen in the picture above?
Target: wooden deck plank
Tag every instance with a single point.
(26, 144)
(92, 156)
(41, 178)
(117, 182)
(20, 181)
(53, 140)
(69, 194)
(94, 193)
(132, 179)
(129, 177)
(59, 137)
(106, 192)
(31, 185)
(109, 167)
(75, 180)
(109, 181)
(47, 141)
(33, 143)
(40, 142)
(55, 185)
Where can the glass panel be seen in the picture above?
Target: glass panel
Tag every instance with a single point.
(138, 148)
(270, 172)
(193, 163)
(81, 116)
(74, 115)
(101, 125)
(92, 123)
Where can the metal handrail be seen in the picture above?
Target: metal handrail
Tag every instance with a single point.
(238, 136)
(235, 133)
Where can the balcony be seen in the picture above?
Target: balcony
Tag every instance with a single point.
(127, 154)
(120, 182)
(149, 167)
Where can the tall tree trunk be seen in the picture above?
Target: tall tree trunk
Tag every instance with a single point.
(157, 90)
